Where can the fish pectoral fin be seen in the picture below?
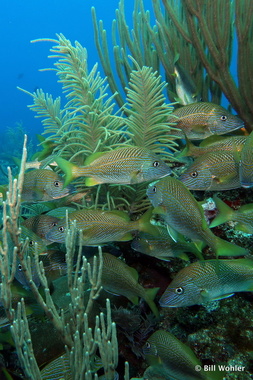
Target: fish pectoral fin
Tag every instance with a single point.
(134, 176)
(223, 179)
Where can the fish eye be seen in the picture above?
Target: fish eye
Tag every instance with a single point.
(154, 189)
(31, 243)
(57, 183)
(223, 117)
(54, 224)
(194, 174)
(147, 345)
(179, 291)
(19, 267)
(61, 229)
(156, 164)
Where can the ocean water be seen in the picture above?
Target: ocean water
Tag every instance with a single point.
(23, 21)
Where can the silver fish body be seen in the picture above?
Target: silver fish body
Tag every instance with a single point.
(208, 280)
(42, 185)
(180, 210)
(185, 87)
(99, 226)
(203, 119)
(128, 165)
(173, 359)
(246, 163)
(212, 171)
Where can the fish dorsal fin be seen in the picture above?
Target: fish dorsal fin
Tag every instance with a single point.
(121, 214)
(93, 157)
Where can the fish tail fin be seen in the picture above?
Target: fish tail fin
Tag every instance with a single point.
(226, 213)
(144, 224)
(189, 150)
(225, 248)
(149, 298)
(196, 249)
(68, 168)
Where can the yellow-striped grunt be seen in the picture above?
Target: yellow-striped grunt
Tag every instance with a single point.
(126, 165)
(246, 163)
(173, 359)
(42, 185)
(41, 225)
(119, 278)
(200, 120)
(208, 280)
(180, 210)
(162, 246)
(213, 144)
(212, 171)
(99, 226)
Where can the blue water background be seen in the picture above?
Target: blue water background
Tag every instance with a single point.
(23, 21)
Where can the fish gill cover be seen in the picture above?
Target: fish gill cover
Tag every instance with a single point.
(65, 300)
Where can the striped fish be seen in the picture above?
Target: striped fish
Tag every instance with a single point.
(162, 246)
(246, 163)
(119, 278)
(42, 185)
(173, 359)
(59, 368)
(212, 171)
(213, 144)
(126, 165)
(41, 225)
(99, 226)
(208, 280)
(202, 119)
(180, 210)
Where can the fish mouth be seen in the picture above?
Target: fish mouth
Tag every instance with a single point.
(166, 301)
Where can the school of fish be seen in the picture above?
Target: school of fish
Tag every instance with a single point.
(215, 163)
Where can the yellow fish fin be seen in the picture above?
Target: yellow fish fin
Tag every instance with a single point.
(159, 210)
(134, 299)
(121, 214)
(128, 236)
(211, 140)
(68, 168)
(144, 224)
(134, 176)
(93, 157)
(244, 228)
(224, 179)
(91, 182)
(183, 256)
(149, 298)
